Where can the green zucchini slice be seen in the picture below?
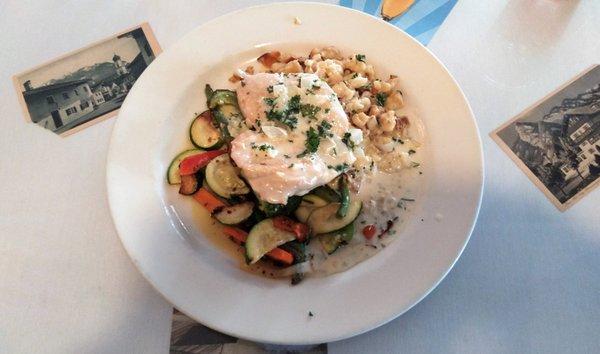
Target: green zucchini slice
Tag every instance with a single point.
(230, 120)
(309, 203)
(325, 219)
(173, 171)
(222, 97)
(222, 178)
(264, 237)
(235, 214)
(333, 240)
(203, 133)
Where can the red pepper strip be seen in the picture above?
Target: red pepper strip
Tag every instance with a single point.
(297, 228)
(239, 236)
(194, 163)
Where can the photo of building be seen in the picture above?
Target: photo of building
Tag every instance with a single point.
(558, 141)
(87, 84)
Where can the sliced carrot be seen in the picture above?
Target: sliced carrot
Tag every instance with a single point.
(238, 235)
(208, 200)
(281, 256)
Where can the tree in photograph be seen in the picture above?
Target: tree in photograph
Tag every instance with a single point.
(574, 163)
(556, 179)
(595, 167)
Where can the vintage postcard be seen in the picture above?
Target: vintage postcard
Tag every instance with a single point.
(556, 142)
(88, 85)
(188, 336)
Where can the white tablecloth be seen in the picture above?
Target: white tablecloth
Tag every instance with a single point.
(529, 280)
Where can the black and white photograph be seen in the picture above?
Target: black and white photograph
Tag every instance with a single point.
(191, 337)
(557, 141)
(88, 85)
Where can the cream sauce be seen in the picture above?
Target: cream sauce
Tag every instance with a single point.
(274, 156)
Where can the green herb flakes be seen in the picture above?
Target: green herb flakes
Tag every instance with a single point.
(381, 97)
(309, 111)
(346, 140)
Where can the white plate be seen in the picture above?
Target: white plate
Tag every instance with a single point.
(162, 232)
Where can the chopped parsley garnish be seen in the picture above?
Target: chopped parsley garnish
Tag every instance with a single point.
(262, 147)
(286, 156)
(323, 128)
(381, 97)
(361, 57)
(283, 118)
(270, 89)
(415, 164)
(309, 111)
(411, 151)
(355, 75)
(270, 101)
(327, 110)
(291, 165)
(294, 104)
(398, 140)
(312, 142)
(287, 115)
(339, 168)
(407, 199)
(335, 151)
(346, 140)
(299, 83)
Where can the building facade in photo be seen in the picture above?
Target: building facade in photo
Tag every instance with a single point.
(52, 106)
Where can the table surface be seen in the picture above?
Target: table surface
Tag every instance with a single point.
(528, 281)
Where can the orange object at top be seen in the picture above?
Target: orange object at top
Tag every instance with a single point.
(395, 8)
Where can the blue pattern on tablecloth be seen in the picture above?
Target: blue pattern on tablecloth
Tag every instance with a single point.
(421, 21)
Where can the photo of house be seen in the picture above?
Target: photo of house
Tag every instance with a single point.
(558, 141)
(87, 84)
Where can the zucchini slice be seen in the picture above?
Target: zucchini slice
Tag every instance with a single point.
(189, 184)
(235, 214)
(203, 133)
(313, 200)
(309, 203)
(333, 240)
(327, 193)
(222, 177)
(222, 97)
(230, 120)
(264, 237)
(173, 171)
(324, 219)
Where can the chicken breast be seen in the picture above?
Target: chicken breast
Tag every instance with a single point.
(299, 135)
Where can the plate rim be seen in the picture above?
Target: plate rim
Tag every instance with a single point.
(375, 324)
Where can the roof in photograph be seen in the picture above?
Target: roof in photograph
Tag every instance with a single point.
(54, 86)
